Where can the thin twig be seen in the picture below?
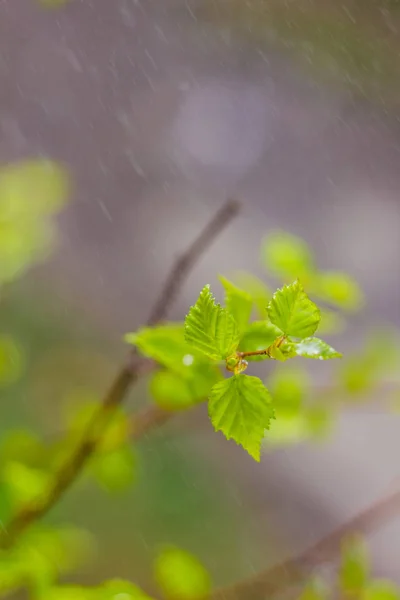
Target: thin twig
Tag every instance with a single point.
(118, 390)
(265, 584)
(185, 263)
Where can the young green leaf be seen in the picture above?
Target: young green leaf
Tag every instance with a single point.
(210, 328)
(315, 348)
(166, 345)
(354, 568)
(241, 408)
(287, 255)
(293, 312)
(25, 483)
(238, 303)
(281, 353)
(116, 470)
(180, 575)
(258, 336)
(171, 391)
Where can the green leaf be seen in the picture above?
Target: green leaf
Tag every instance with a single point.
(287, 255)
(354, 568)
(23, 447)
(283, 351)
(315, 348)
(241, 408)
(171, 391)
(293, 312)
(118, 589)
(210, 328)
(338, 289)
(380, 589)
(25, 483)
(180, 575)
(166, 345)
(258, 290)
(238, 303)
(116, 470)
(259, 335)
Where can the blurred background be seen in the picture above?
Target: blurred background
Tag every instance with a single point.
(160, 110)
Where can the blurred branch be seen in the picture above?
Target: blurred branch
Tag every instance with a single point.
(293, 571)
(118, 390)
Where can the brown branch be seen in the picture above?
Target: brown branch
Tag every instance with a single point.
(128, 375)
(265, 584)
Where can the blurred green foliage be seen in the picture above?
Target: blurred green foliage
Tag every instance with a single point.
(180, 576)
(31, 193)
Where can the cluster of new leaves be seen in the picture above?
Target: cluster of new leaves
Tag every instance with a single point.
(213, 336)
(353, 579)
